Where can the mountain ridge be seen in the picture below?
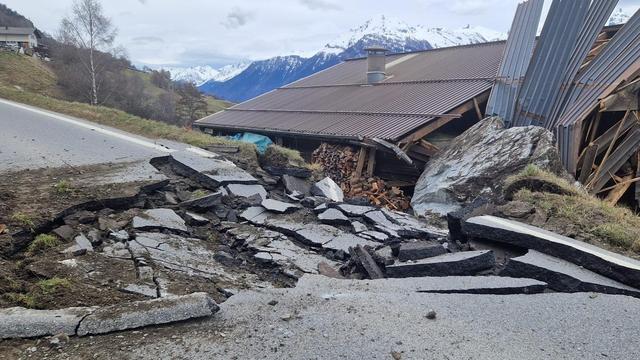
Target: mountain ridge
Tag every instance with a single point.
(396, 36)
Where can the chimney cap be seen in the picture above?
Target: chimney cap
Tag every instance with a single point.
(375, 48)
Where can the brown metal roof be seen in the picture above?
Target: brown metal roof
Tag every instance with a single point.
(337, 101)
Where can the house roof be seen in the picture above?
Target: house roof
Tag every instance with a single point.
(338, 102)
(8, 30)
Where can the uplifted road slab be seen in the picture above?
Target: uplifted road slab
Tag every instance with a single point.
(211, 172)
(564, 276)
(607, 263)
(462, 263)
(155, 219)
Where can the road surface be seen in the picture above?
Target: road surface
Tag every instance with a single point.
(32, 138)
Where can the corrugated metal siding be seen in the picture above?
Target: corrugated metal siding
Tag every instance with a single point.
(332, 102)
(515, 62)
(550, 58)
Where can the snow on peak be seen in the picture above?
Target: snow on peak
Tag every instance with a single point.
(399, 31)
(618, 17)
(201, 74)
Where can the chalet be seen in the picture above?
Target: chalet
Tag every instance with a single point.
(385, 104)
(25, 37)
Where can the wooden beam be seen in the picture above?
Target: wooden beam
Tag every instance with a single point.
(587, 164)
(610, 148)
(371, 163)
(437, 123)
(477, 106)
(623, 152)
(362, 156)
(595, 125)
(619, 190)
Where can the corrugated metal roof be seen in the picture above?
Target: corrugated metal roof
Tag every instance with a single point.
(518, 52)
(336, 101)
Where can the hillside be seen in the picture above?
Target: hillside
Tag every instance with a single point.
(9, 17)
(28, 73)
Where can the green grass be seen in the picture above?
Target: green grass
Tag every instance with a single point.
(28, 73)
(24, 220)
(533, 171)
(51, 285)
(24, 300)
(62, 187)
(283, 156)
(42, 242)
(616, 226)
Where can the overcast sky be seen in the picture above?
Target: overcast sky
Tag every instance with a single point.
(217, 32)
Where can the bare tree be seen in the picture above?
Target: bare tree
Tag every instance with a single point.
(88, 29)
(192, 105)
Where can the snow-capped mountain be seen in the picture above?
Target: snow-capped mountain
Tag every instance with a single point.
(618, 17)
(201, 74)
(395, 35)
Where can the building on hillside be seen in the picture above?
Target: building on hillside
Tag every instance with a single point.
(390, 106)
(25, 37)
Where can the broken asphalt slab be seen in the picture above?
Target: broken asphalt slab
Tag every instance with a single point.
(607, 263)
(210, 172)
(419, 250)
(355, 319)
(81, 321)
(461, 263)
(564, 276)
(157, 219)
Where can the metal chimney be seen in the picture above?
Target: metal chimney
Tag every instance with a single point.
(376, 64)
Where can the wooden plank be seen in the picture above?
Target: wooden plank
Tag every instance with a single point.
(477, 106)
(627, 148)
(610, 148)
(587, 164)
(437, 123)
(362, 156)
(595, 125)
(371, 163)
(619, 190)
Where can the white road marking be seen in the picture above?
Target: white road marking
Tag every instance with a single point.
(559, 239)
(93, 127)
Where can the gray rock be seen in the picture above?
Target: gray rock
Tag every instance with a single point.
(333, 217)
(204, 202)
(254, 212)
(195, 219)
(296, 185)
(246, 191)
(19, 322)
(279, 206)
(345, 241)
(313, 201)
(159, 219)
(141, 289)
(564, 276)
(64, 232)
(170, 198)
(94, 237)
(419, 250)
(603, 262)
(209, 172)
(121, 235)
(358, 227)
(374, 235)
(328, 189)
(81, 245)
(355, 210)
(462, 263)
(117, 250)
(144, 313)
(484, 151)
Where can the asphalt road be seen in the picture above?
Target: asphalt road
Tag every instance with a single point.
(32, 138)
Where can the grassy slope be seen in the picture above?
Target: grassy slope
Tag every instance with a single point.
(615, 227)
(28, 73)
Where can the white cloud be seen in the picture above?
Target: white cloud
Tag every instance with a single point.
(236, 18)
(320, 5)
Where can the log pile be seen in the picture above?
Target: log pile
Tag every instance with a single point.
(340, 162)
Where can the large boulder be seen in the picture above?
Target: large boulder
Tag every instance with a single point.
(477, 163)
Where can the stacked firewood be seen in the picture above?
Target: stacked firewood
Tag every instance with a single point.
(339, 163)
(378, 193)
